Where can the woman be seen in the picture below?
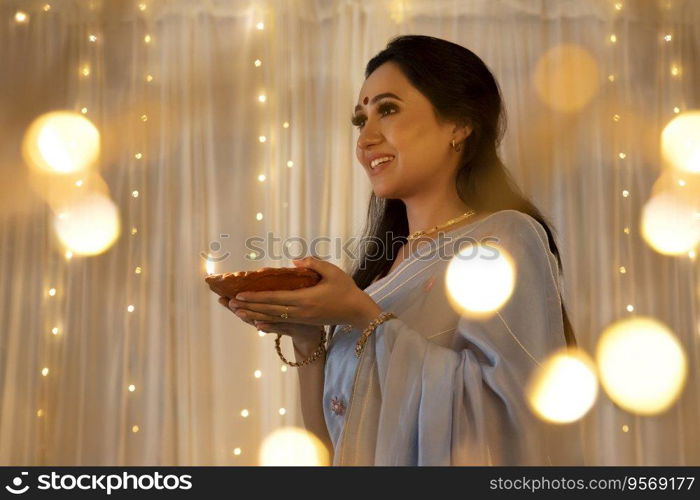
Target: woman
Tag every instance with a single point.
(430, 386)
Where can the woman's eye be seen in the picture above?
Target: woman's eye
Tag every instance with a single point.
(358, 121)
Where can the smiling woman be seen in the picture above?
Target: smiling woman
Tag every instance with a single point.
(434, 386)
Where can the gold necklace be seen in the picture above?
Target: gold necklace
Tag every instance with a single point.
(450, 222)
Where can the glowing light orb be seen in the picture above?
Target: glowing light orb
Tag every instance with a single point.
(61, 142)
(88, 226)
(293, 446)
(564, 387)
(680, 142)
(566, 78)
(641, 365)
(671, 223)
(480, 279)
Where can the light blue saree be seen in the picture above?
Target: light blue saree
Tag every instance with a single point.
(433, 387)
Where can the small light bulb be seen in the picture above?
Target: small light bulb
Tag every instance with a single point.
(85, 70)
(45, 371)
(261, 333)
(92, 38)
(47, 8)
(282, 411)
(142, 6)
(134, 428)
(236, 451)
(681, 182)
(138, 156)
(283, 368)
(130, 308)
(261, 177)
(147, 39)
(262, 98)
(259, 216)
(21, 17)
(618, 5)
(623, 270)
(69, 255)
(285, 124)
(668, 37)
(144, 118)
(625, 428)
(149, 78)
(613, 38)
(54, 330)
(290, 164)
(257, 374)
(626, 230)
(135, 193)
(630, 308)
(616, 118)
(611, 78)
(134, 231)
(675, 70)
(79, 183)
(625, 193)
(137, 270)
(244, 413)
(40, 413)
(132, 388)
(676, 109)
(253, 255)
(622, 156)
(52, 292)
(262, 138)
(260, 26)
(257, 63)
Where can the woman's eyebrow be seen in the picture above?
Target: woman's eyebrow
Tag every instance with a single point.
(377, 97)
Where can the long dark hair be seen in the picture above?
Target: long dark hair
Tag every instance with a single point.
(462, 90)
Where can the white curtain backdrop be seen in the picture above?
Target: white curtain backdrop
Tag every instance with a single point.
(180, 120)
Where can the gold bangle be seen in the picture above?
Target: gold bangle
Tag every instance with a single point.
(314, 356)
(369, 329)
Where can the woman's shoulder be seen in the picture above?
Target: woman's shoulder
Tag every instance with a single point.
(506, 219)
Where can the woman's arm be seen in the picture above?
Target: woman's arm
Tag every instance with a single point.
(311, 380)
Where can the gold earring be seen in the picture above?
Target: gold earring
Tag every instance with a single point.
(456, 148)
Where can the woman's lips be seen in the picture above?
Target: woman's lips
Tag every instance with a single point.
(378, 170)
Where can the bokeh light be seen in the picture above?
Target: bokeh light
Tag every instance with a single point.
(566, 78)
(670, 222)
(61, 142)
(564, 387)
(680, 142)
(88, 226)
(641, 364)
(293, 446)
(480, 279)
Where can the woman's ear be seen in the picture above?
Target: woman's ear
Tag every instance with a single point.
(463, 131)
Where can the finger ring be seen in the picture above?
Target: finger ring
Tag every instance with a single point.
(284, 315)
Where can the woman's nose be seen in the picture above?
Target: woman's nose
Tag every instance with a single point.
(367, 139)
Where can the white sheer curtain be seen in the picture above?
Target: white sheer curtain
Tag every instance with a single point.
(187, 139)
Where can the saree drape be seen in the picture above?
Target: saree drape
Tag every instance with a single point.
(434, 387)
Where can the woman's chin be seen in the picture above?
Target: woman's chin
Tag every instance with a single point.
(383, 191)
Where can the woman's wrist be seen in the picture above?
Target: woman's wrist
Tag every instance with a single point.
(368, 311)
(305, 345)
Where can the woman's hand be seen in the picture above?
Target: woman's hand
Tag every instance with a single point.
(335, 300)
(301, 335)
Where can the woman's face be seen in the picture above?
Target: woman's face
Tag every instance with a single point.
(404, 127)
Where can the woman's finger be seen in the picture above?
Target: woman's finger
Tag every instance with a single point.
(268, 309)
(246, 314)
